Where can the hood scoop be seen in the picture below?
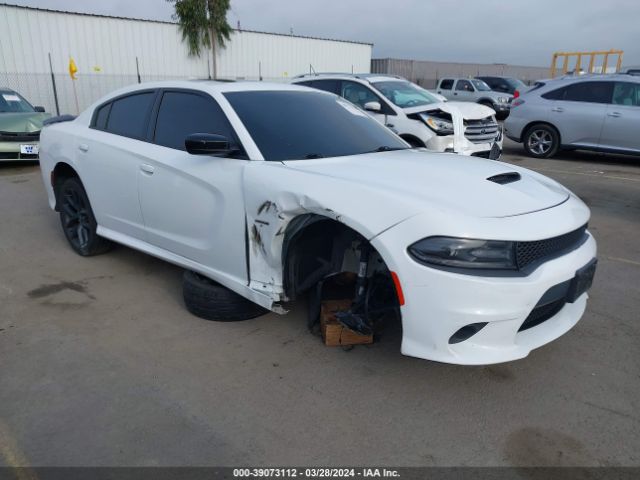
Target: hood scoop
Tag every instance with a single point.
(505, 178)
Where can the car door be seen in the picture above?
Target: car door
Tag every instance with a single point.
(622, 119)
(110, 153)
(445, 88)
(464, 91)
(193, 205)
(578, 111)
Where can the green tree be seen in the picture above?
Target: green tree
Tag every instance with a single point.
(203, 23)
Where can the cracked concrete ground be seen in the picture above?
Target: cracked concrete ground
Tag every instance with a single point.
(100, 364)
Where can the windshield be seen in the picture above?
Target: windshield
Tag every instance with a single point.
(11, 102)
(481, 86)
(405, 94)
(296, 125)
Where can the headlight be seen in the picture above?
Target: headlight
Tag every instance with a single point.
(465, 253)
(438, 125)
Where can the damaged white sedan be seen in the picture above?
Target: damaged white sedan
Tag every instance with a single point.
(262, 192)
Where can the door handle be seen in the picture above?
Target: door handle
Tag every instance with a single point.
(614, 114)
(558, 109)
(146, 168)
(83, 147)
(454, 93)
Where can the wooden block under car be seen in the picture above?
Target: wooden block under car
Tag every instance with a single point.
(333, 333)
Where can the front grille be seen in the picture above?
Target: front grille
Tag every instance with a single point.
(18, 156)
(538, 250)
(19, 136)
(542, 313)
(481, 131)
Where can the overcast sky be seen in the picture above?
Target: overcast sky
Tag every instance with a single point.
(524, 32)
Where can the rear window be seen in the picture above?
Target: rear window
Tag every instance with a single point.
(129, 115)
(331, 86)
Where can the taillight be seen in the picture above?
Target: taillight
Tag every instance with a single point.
(516, 94)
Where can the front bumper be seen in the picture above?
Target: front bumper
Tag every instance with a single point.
(463, 146)
(10, 151)
(502, 107)
(439, 303)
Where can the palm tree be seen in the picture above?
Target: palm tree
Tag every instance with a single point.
(203, 23)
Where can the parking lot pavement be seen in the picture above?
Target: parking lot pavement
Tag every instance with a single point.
(102, 365)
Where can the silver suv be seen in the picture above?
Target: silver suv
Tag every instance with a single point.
(474, 90)
(591, 112)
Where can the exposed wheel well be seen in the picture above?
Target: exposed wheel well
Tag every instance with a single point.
(315, 246)
(61, 172)
(412, 140)
(486, 101)
(528, 127)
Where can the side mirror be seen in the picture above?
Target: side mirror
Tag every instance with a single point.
(39, 109)
(373, 106)
(207, 144)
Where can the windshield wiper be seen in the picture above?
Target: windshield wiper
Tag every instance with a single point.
(385, 148)
(313, 155)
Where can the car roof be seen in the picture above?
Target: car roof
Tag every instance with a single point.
(366, 77)
(209, 86)
(611, 77)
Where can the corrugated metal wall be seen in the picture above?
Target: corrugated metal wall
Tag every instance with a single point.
(426, 73)
(105, 51)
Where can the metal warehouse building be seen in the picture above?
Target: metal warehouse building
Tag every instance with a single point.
(111, 52)
(427, 73)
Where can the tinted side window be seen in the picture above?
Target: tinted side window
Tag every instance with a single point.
(182, 113)
(330, 86)
(557, 94)
(101, 117)
(360, 95)
(591, 92)
(464, 85)
(446, 84)
(129, 115)
(626, 93)
(491, 81)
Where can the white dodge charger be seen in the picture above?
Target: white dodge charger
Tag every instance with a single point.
(263, 191)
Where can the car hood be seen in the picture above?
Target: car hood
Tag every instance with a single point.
(420, 181)
(467, 110)
(22, 122)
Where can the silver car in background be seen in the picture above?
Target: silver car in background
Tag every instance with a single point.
(590, 112)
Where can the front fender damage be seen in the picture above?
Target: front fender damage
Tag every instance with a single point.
(267, 222)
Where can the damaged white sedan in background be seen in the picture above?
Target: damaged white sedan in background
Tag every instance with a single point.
(263, 191)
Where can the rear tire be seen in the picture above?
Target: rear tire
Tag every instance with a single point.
(541, 141)
(78, 221)
(209, 300)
